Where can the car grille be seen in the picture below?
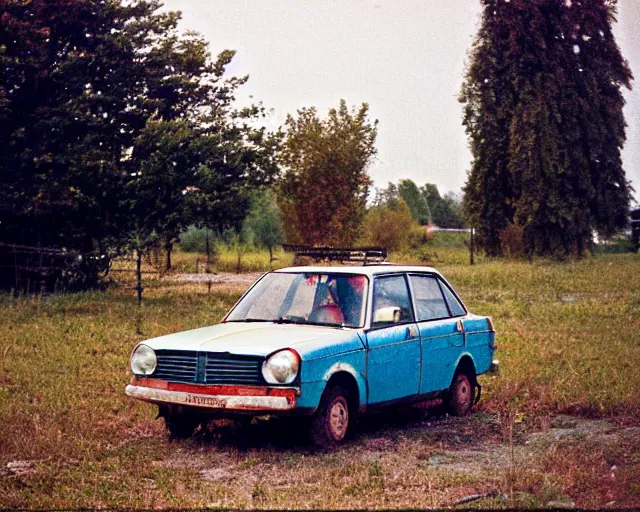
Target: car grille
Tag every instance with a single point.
(208, 367)
(176, 365)
(232, 370)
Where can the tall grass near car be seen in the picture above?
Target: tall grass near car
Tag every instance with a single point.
(568, 338)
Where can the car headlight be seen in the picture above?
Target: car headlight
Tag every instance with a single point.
(143, 360)
(281, 367)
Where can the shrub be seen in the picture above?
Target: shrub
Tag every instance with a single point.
(392, 226)
(195, 240)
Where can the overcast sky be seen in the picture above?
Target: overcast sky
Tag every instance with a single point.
(406, 59)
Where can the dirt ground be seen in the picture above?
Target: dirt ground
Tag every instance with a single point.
(415, 458)
(226, 278)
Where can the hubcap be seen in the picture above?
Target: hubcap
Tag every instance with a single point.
(464, 392)
(338, 418)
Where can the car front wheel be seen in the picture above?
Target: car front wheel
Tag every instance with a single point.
(333, 418)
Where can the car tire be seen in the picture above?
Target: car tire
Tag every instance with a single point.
(181, 426)
(459, 398)
(333, 420)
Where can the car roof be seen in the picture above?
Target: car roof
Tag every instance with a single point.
(368, 270)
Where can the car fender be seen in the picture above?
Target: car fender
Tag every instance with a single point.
(341, 366)
(462, 355)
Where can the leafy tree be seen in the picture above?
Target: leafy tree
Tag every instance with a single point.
(446, 212)
(263, 220)
(117, 130)
(543, 110)
(384, 195)
(411, 195)
(323, 192)
(449, 214)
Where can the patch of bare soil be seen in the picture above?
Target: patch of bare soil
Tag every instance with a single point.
(412, 458)
(227, 278)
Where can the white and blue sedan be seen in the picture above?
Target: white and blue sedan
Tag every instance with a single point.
(329, 343)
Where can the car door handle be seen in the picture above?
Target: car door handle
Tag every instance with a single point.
(459, 326)
(412, 332)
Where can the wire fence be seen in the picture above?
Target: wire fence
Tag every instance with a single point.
(32, 269)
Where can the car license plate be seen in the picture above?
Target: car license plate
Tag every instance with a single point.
(209, 401)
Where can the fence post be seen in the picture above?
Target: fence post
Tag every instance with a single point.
(472, 244)
(15, 264)
(139, 276)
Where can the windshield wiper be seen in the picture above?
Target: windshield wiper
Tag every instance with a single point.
(283, 320)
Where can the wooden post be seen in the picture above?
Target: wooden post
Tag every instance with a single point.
(139, 276)
(206, 238)
(15, 265)
(168, 247)
(472, 244)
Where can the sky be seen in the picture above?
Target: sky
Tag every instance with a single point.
(405, 59)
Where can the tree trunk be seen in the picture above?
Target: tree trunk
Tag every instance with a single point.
(168, 247)
(270, 257)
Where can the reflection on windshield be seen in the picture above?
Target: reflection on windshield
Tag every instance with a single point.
(305, 298)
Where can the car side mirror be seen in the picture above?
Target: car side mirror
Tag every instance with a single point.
(389, 315)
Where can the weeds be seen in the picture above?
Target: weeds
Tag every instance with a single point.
(568, 343)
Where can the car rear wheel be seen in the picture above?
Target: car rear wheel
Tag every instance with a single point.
(333, 419)
(460, 395)
(181, 426)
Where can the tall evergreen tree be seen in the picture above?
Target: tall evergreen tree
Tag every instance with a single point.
(543, 110)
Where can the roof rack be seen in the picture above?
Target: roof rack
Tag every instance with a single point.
(363, 255)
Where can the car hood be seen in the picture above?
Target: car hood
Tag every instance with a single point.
(259, 338)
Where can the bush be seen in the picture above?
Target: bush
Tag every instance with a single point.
(195, 240)
(615, 245)
(392, 226)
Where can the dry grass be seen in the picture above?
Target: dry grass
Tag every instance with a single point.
(568, 342)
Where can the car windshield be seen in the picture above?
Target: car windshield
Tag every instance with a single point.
(305, 298)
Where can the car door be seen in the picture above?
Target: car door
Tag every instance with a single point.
(393, 342)
(441, 331)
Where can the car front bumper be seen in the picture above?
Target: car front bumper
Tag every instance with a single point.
(219, 398)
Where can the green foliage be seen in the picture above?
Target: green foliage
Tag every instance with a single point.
(194, 239)
(323, 192)
(118, 131)
(410, 194)
(263, 220)
(425, 203)
(446, 212)
(543, 110)
(384, 195)
(391, 225)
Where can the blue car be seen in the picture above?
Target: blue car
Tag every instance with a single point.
(328, 343)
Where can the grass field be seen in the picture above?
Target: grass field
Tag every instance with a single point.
(569, 342)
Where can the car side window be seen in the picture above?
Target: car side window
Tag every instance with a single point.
(391, 304)
(430, 304)
(454, 304)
